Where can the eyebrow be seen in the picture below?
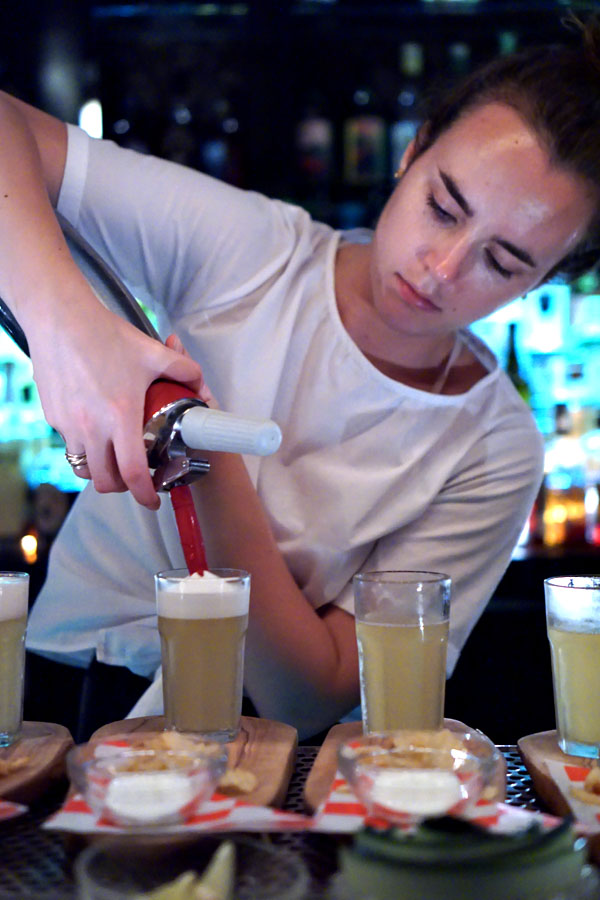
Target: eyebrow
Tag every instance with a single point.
(457, 195)
(523, 255)
(455, 192)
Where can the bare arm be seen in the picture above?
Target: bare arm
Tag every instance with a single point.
(91, 367)
(301, 666)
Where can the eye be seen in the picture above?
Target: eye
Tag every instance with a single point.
(439, 212)
(494, 264)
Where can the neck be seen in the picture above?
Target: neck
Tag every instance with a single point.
(416, 360)
(427, 378)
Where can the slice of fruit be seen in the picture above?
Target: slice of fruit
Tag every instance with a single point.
(218, 878)
(216, 883)
(180, 889)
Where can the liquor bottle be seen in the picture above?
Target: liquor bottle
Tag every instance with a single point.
(365, 144)
(12, 484)
(590, 443)
(459, 59)
(314, 145)
(219, 150)
(564, 515)
(513, 369)
(508, 42)
(314, 156)
(408, 111)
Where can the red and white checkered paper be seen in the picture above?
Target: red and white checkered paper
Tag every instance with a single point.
(339, 813)
(220, 813)
(566, 776)
(8, 809)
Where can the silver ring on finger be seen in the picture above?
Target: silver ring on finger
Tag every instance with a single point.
(76, 460)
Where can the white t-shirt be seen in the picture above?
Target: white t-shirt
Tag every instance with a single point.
(371, 474)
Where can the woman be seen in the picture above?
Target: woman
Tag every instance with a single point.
(404, 444)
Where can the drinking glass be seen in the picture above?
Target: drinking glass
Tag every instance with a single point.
(402, 633)
(202, 621)
(14, 596)
(573, 620)
(113, 869)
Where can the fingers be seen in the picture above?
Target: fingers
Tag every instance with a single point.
(116, 463)
(97, 404)
(196, 383)
(127, 461)
(175, 343)
(79, 464)
(182, 368)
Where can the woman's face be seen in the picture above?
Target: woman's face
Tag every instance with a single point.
(478, 219)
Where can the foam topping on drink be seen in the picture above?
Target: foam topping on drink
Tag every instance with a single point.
(13, 597)
(202, 597)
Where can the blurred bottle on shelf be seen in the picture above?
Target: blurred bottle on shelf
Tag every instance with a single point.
(459, 59)
(508, 42)
(220, 152)
(591, 450)
(364, 142)
(12, 483)
(587, 284)
(364, 185)
(513, 369)
(178, 142)
(564, 512)
(22, 425)
(409, 101)
(133, 111)
(314, 144)
(314, 147)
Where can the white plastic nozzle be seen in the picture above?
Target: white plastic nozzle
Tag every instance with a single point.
(211, 429)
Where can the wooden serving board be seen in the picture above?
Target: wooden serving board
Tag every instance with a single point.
(264, 747)
(325, 765)
(45, 746)
(536, 751)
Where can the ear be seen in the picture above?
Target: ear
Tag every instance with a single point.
(407, 158)
(414, 149)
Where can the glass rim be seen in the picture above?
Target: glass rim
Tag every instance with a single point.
(16, 575)
(181, 573)
(402, 576)
(570, 581)
(138, 846)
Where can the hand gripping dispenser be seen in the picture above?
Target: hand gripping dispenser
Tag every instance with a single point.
(178, 426)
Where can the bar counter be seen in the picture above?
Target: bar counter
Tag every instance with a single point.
(36, 864)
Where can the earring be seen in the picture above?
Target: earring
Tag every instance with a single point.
(399, 172)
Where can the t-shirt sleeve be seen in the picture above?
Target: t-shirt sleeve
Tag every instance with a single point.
(98, 596)
(171, 233)
(472, 526)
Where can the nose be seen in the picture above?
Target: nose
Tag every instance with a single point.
(445, 258)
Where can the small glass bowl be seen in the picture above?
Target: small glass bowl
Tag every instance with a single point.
(145, 788)
(402, 776)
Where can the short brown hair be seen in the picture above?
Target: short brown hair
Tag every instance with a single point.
(556, 90)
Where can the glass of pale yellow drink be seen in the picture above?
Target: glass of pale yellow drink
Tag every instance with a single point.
(14, 598)
(402, 634)
(573, 619)
(202, 622)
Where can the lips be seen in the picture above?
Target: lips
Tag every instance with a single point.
(412, 297)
